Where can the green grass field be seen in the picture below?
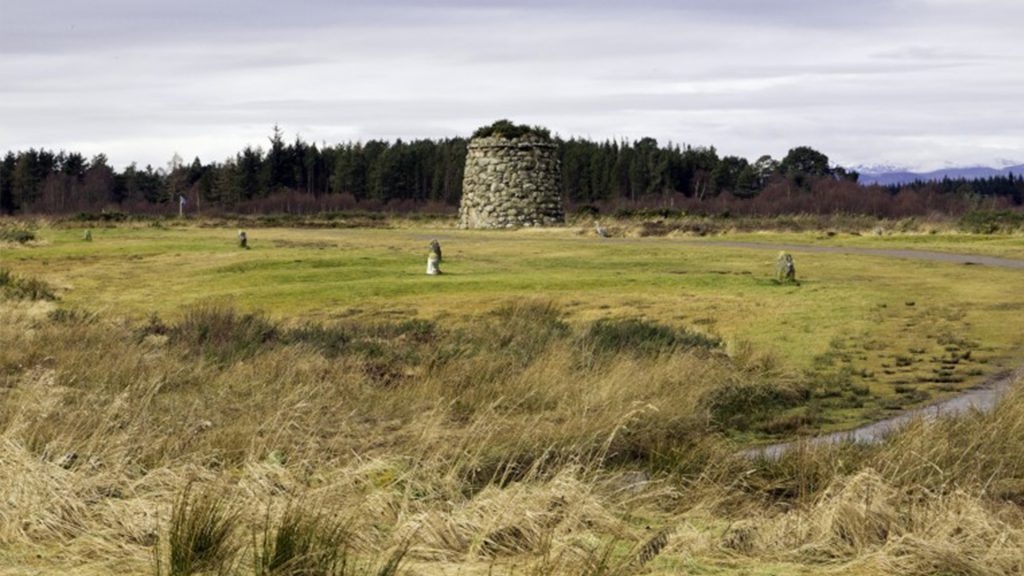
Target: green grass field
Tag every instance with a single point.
(907, 331)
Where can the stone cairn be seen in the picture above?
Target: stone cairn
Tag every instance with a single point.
(434, 258)
(785, 270)
(511, 183)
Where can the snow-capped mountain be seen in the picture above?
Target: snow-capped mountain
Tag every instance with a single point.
(879, 168)
(885, 176)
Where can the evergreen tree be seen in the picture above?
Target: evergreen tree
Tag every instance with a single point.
(7, 202)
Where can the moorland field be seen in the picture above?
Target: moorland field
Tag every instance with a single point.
(553, 403)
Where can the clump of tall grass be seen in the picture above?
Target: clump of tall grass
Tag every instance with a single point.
(24, 288)
(615, 556)
(642, 337)
(72, 316)
(864, 519)
(220, 332)
(303, 542)
(991, 222)
(333, 341)
(14, 234)
(524, 329)
(200, 538)
(746, 405)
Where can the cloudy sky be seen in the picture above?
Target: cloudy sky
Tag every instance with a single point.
(918, 83)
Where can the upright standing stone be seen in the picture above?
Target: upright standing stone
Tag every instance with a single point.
(512, 181)
(435, 248)
(785, 270)
(433, 264)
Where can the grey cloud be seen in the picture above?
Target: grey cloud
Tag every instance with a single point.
(49, 27)
(931, 53)
(864, 81)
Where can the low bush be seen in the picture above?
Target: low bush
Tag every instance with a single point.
(103, 216)
(642, 337)
(524, 328)
(991, 222)
(18, 235)
(72, 316)
(507, 129)
(331, 340)
(743, 406)
(24, 288)
(219, 332)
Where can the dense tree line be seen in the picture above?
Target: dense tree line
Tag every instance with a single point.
(429, 172)
(1010, 187)
(422, 170)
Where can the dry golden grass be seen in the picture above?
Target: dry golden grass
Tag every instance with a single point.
(487, 453)
(511, 447)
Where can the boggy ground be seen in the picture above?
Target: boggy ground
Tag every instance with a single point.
(533, 412)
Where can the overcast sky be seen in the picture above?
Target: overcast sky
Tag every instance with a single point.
(919, 83)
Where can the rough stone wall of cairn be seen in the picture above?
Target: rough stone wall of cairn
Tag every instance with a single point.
(511, 183)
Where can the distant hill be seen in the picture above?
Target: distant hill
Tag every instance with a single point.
(886, 178)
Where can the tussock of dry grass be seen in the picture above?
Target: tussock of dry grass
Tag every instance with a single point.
(865, 520)
(939, 498)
